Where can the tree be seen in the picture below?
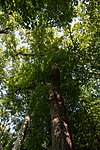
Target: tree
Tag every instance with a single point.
(41, 34)
(61, 136)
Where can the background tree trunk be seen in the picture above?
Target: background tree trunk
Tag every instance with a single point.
(61, 136)
(22, 134)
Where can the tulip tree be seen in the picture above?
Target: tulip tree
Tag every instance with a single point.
(38, 38)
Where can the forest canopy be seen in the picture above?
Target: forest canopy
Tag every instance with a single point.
(36, 35)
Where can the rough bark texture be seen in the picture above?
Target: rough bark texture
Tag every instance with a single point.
(61, 137)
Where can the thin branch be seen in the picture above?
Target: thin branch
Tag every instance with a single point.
(24, 54)
(4, 31)
(27, 54)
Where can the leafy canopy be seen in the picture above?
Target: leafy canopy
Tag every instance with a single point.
(41, 34)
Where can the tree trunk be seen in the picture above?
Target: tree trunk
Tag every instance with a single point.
(22, 133)
(61, 136)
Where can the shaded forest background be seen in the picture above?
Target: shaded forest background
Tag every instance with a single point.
(35, 35)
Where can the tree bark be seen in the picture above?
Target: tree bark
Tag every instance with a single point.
(22, 134)
(61, 136)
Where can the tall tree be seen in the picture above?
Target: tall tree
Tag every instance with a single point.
(41, 34)
(61, 136)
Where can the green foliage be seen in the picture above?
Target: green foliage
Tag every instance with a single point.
(54, 12)
(41, 34)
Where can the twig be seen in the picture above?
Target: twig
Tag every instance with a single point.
(4, 31)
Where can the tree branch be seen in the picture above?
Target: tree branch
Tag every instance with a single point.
(24, 54)
(4, 31)
(27, 54)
